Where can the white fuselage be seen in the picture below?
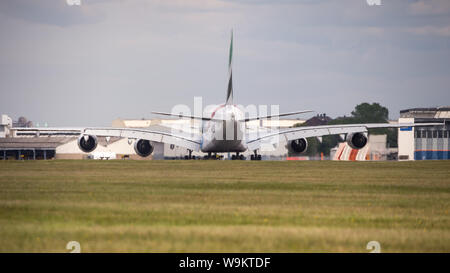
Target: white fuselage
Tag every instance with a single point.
(225, 132)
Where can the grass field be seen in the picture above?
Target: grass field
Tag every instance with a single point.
(224, 206)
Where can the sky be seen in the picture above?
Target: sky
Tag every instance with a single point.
(88, 64)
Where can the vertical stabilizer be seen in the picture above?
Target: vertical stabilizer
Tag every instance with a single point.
(230, 74)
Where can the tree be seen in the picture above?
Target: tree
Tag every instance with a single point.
(375, 113)
(370, 113)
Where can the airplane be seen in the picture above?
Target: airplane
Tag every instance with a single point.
(224, 131)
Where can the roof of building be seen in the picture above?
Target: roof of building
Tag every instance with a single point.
(442, 112)
(320, 119)
(33, 142)
(426, 109)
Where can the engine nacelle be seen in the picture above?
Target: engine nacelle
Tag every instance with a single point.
(297, 146)
(143, 147)
(87, 143)
(356, 140)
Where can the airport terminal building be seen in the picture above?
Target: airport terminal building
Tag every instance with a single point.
(424, 143)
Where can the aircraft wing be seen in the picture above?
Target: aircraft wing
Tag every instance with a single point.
(185, 116)
(255, 140)
(156, 133)
(277, 115)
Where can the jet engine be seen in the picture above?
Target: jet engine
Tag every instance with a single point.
(356, 140)
(143, 147)
(297, 146)
(87, 143)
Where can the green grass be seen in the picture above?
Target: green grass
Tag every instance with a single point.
(224, 206)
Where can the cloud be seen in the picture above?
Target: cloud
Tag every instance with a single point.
(279, 2)
(431, 30)
(430, 7)
(125, 58)
(190, 5)
(53, 12)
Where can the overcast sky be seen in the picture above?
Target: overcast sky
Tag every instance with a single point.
(87, 65)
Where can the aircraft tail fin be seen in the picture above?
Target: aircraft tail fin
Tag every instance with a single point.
(230, 73)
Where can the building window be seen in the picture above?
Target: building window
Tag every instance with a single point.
(434, 134)
(418, 134)
(446, 134)
(439, 134)
(429, 134)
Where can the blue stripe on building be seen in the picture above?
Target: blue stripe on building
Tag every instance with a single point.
(430, 155)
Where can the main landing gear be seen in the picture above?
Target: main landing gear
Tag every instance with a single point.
(255, 156)
(238, 156)
(212, 157)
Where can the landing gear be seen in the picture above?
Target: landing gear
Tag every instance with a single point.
(212, 157)
(206, 157)
(255, 156)
(238, 157)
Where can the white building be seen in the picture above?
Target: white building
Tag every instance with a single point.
(421, 143)
(5, 124)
